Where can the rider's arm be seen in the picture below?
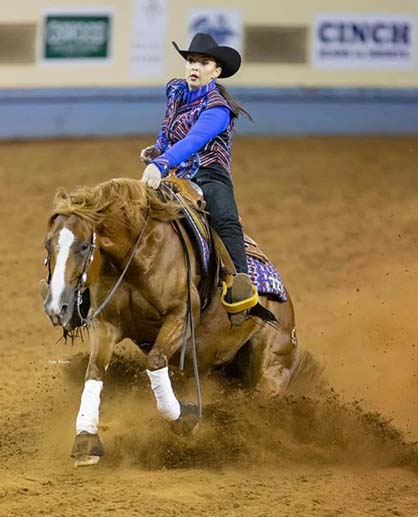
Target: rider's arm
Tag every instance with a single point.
(210, 124)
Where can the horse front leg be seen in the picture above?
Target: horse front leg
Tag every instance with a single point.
(182, 416)
(87, 448)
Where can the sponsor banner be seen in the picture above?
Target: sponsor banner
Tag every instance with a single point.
(225, 25)
(363, 41)
(148, 37)
(77, 36)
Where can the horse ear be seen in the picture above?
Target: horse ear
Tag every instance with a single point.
(61, 195)
(51, 220)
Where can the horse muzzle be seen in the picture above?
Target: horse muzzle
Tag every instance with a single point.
(60, 311)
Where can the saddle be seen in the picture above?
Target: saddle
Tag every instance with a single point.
(187, 190)
(215, 261)
(195, 224)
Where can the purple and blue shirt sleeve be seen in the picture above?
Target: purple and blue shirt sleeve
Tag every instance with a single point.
(160, 141)
(210, 124)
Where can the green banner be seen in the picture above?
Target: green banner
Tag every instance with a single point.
(77, 36)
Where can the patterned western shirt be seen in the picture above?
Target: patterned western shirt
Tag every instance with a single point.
(184, 107)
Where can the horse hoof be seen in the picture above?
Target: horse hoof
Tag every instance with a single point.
(87, 449)
(188, 420)
(85, 461)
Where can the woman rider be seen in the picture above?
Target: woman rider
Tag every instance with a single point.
(195, 137)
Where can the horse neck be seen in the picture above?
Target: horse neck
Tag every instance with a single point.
(120, 243)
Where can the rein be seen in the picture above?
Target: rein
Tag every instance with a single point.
(89, 260)
(189, 323)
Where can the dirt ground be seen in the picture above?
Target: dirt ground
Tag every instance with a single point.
(339, 217)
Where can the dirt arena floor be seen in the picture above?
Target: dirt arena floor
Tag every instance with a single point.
(339, 217)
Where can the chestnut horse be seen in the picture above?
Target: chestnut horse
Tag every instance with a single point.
(120, 232)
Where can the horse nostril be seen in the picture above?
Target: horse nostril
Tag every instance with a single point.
(64, 309)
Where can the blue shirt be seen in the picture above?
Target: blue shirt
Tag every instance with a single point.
(210, 124)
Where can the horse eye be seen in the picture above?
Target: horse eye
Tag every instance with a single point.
(85, 246)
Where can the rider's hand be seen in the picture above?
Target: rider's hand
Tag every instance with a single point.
(151, 176)
(149, 153)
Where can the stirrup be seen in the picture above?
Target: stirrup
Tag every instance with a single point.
(242, 297)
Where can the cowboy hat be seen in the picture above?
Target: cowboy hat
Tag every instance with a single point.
(228, 58)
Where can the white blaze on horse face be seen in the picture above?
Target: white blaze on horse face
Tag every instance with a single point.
(65, 240)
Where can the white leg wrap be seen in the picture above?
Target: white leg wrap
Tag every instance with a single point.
(167, 403)
(88, 415)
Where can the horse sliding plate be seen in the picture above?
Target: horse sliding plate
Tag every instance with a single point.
(85, 461)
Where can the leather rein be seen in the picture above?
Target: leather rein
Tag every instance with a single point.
(83, 277)
(189, 323)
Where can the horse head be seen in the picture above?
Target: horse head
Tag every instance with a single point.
(70, 243)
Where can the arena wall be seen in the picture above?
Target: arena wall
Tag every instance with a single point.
(288, 81)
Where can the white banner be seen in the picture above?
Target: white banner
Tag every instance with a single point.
(371, 41)
(148, 37)
(225, 25)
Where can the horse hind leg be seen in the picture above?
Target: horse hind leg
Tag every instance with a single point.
(270, 363)
(273, 362)
(268, 360)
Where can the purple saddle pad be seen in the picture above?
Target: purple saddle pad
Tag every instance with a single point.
(266, 278)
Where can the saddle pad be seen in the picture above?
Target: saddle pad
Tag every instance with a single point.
(266, 278)
(262, 272)
(202, 243)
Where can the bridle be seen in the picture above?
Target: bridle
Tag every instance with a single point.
(82, 280)
(108, 297)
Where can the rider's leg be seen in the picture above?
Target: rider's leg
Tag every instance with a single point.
(223, 213)
(223, 217)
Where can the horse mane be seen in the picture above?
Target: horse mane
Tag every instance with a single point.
(120, 201)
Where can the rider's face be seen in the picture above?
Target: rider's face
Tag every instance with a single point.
(200, 70)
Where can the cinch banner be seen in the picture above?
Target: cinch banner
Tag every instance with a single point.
(69, 36)
(363, 41)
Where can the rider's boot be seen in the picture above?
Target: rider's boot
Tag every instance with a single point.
(239, 298)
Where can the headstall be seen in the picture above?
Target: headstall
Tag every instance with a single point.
(82, 281)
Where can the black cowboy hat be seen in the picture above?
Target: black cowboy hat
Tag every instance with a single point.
(227, 57)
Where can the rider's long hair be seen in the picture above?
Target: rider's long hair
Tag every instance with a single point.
(237, 109)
